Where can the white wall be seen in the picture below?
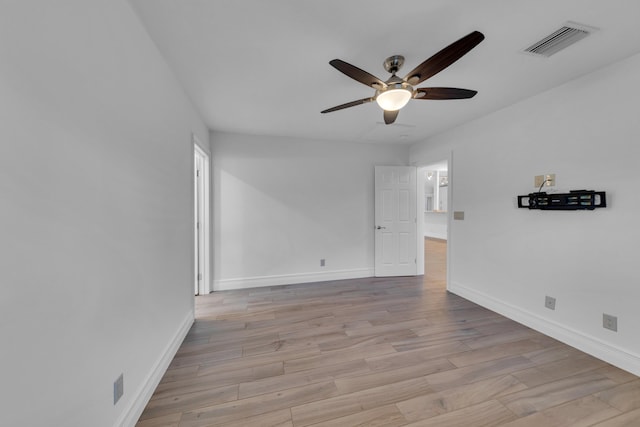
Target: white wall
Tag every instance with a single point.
(96, 212)
(435, 225)
(281, 204)
(587, 132)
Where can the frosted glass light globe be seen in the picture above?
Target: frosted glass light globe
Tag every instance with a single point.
(393, 99)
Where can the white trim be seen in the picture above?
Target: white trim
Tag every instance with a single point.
(420, 184)
(196, 236)
(201, 146)
(205, 285)
(130, 417)
(587, 343)
(290, 279)
(450, 208)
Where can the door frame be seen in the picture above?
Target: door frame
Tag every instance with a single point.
(201, 199)
(420, 214)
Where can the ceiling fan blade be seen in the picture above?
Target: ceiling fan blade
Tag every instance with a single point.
(357, 74)
(444, 58)
(348, 104)
(390, 116)
(444, 93)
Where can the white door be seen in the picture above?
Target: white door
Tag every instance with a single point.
(395, 221)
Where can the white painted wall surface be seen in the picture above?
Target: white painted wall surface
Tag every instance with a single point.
(96, 212)
(435, 224)
(587, 132)
(282, 204)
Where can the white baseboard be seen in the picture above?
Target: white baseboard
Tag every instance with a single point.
(290, 279)
(130, 416)
(441, 236)
(584, 342)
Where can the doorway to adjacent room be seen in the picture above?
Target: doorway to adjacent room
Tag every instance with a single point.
(433, 196)
(435, 263)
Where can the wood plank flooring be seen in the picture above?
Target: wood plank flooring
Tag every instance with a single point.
(380, 352)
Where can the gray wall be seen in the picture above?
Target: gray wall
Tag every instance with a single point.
(96, 212)
(282, 204)
(587, 132)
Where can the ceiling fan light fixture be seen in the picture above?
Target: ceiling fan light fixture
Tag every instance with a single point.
(394, 97)
(396, 92)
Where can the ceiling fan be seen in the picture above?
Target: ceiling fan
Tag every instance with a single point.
(395, 93)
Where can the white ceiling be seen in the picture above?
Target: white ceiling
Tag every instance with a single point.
(261, 67)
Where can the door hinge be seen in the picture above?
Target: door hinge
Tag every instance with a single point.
(415, 260)
(197, 172)
(198, 225)
(199, 276)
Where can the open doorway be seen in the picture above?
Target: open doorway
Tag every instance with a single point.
(435, 263)
(201, 219)
(433, 190)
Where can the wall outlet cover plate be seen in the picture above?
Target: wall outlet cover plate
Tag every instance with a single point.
(118, 388)
(610, 322)
(550, 302)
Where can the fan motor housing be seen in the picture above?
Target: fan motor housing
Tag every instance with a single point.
(393, 63)
(396, 84)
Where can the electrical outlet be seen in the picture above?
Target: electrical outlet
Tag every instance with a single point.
(610, 322)
(118, 388)
(548, 179)
(322, 262)
(550, 302)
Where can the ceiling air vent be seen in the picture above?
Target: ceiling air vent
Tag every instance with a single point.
(570, 33)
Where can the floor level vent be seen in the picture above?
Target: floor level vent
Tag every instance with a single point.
(560, 39)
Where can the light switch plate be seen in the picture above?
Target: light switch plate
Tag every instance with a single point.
(458, 215)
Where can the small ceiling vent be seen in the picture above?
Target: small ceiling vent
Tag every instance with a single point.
(570, 33)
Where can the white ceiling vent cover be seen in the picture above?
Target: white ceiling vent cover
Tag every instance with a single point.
(570, 33)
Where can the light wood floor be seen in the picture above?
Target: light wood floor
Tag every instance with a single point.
(379, 352)
(435, 264)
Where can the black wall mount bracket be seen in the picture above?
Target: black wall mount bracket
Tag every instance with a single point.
(571, 201)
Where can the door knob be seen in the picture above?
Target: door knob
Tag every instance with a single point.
(380, 227)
